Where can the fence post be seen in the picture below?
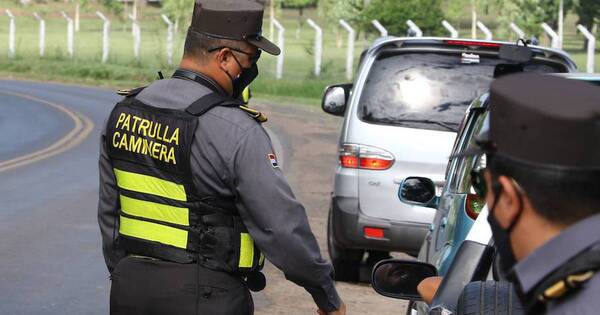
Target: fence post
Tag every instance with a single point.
(517, 30)
(318, 46)
(135, 30)
(380, 28)
(473, 24)
(350, 53)
(169, 39)
(105, 38)
(561, 16)
(552, 34)
(414, 28)
(271, 18)
(450, 28)
(486, 31)
(280, 43)
(11, 34)
(591, 47)
(77, 17)
(70, 39)
(42, 33)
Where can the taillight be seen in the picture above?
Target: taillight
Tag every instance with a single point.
(373, 232)
(471, 43)
(365, 157)
(473, 206)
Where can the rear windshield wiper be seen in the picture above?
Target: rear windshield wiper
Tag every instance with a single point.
(446, 125)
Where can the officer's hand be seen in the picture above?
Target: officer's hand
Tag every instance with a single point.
(428, 287)
(341, 311)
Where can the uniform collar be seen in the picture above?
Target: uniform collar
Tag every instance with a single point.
(200, 78)
(557, 251)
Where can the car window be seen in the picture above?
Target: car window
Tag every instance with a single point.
(462, 182)
(427, 90)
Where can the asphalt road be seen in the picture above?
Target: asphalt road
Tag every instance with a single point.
(50, 252)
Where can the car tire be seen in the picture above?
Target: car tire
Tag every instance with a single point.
(489, 298)
(346, 262)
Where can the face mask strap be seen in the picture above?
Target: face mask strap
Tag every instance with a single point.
(497, 189)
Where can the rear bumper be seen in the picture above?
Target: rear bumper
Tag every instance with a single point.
(349, 223)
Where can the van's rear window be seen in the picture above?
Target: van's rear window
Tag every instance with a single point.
(428, 90)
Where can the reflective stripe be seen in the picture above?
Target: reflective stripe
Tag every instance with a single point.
(150, 185)
(246, 95)
(261, 260)
(153, 232)
(155, 211)
(246, 251)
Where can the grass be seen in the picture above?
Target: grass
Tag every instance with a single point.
(122, 70)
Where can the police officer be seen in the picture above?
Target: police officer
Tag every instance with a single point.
(541, 186)
(191, 193)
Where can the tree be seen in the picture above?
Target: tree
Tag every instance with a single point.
(300, 5)
(529, 14)
(335, 10)
(297, 4)
(177, 10)
(589, 14)
(113, 6)
(427, 14)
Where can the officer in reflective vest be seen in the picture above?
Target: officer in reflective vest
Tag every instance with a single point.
(192, 198)
(542, 189)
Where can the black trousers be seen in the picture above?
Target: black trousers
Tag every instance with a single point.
(145, 286)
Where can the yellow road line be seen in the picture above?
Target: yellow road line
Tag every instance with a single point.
(83, 127)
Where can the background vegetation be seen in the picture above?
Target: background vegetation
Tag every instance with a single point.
(299, 83)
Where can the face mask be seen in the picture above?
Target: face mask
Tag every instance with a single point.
(502, 237)
(244, 79)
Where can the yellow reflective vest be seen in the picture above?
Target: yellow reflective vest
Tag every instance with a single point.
(161, 215)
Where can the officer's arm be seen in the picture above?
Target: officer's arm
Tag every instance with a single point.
(277, 221)
(108, 206)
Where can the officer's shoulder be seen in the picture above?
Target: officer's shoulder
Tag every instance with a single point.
(585, 301)
(239, 117)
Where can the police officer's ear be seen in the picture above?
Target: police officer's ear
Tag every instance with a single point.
(510, 201)
(223, 57)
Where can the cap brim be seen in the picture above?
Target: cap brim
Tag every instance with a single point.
(264, 44)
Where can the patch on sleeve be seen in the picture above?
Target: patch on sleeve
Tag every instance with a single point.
(273, 160)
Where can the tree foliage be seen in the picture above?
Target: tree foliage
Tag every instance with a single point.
(349, 10)
(113, 6)
(427, 14)
(179, 11)
(296, 4)
(588, 12)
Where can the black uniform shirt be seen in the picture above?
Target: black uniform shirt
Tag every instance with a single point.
(232, 155)
(556, 252)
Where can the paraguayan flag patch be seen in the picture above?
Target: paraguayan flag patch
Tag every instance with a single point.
(273, 159)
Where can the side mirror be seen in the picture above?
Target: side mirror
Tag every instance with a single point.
(335, 99)
(418, 191)
(399, 278)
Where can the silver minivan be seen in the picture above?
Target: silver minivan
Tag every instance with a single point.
(400, 119)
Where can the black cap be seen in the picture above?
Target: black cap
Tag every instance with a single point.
(232, 19)
(544, 120)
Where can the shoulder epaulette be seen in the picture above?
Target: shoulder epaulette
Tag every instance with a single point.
(130, 92)
(258, 116)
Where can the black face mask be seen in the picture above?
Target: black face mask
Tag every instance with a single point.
(243, 79)
(502, 236)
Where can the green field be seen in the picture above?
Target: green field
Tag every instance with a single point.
(122, 70)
